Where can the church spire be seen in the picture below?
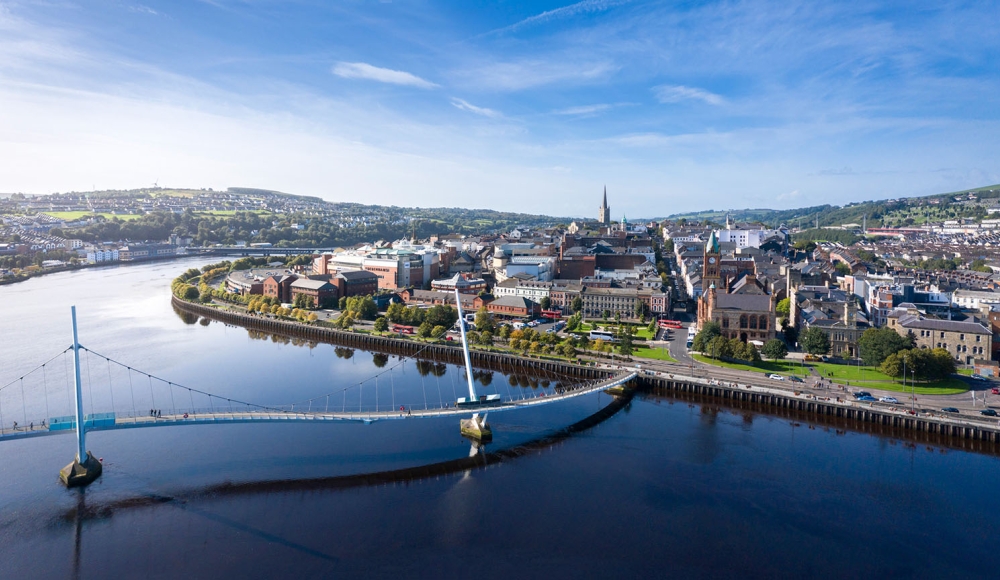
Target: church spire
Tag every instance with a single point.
(604, 212)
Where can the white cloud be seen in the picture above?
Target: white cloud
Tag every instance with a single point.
(466, 106)
(584, 7)
(584, 109)
(529, 73)
(678, 93)
(363, 70)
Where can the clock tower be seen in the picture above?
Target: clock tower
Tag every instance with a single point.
(711, 268)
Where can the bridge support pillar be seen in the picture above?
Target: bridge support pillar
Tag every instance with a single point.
(477, 428)
(85, 468)
(78, 474)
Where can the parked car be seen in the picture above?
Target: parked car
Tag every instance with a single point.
(950, 410)
(892, 400)
(775, 377)
(988, 412)
(866, 398)
(995, 390)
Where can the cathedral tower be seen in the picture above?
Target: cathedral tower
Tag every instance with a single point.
(604, 212)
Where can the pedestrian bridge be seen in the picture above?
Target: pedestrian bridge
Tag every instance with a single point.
(239, 412)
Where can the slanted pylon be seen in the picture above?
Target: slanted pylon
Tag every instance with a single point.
(85, 468)
(476, 427)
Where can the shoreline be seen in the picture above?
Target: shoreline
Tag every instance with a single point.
(683, 380)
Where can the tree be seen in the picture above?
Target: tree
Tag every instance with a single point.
(381, 324)
(708, 331)
(425, 329)
(876, 344)
(342, 303)
(815, 341)
(505, 331)
(191, 293)
(545, 302)
(396, 313)
(783, 308)
(577, 304)
(625, 341)
(438, 331)
(313, 317)
(363, 307)
(441, 315)
(774, 349)
(925, 364)
(719, 347)
(484, 320)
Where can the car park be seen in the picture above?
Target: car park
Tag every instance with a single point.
(988, 412)
(950, 410)
(892, 400)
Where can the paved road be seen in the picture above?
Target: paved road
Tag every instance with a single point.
(814, 384)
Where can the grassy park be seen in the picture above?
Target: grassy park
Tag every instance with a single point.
(653, 353)
(852, 375)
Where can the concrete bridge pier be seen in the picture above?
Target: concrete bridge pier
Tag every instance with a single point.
(85, 468)
(476, 428)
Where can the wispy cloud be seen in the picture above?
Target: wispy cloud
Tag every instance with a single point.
(142, 9)
(584, 7)
(529, 73)
(678, 93)
(584, 110)
(466, 106)
(363, 70)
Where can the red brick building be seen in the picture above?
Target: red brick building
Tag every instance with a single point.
(280, 287)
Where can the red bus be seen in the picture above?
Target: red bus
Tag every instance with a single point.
(674, 324)
(402, 329)
(553, 314)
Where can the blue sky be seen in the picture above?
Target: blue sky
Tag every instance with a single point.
(523, 106)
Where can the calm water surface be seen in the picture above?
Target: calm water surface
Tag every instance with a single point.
(663, 487)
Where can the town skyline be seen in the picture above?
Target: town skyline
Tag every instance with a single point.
(525, 106)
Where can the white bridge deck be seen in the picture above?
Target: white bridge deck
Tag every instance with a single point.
(277, 416)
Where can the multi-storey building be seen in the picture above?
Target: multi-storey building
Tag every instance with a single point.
(966, 341)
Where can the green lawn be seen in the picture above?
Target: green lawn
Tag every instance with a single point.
(644, 332)
(765, 366)
(850, 375)
(75, 215)
(654, 353)
(872, 377)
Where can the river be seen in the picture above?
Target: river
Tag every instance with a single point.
(663, 487)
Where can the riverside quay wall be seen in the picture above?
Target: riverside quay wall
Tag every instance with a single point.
(684, 382)
(446, 353)
(860, 415)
